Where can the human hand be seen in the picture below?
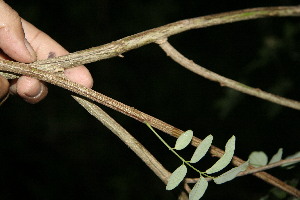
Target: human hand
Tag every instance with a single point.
(23, 42)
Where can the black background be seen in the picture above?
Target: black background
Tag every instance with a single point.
(56, 150)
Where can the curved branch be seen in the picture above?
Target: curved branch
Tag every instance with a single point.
(190, 65)
(123, 45)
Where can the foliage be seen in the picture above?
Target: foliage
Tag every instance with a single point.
(260, 158)
(179, 174)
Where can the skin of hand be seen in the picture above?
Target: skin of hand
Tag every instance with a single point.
(23, 42)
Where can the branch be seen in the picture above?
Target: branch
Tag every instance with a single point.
(123, 45)
(190, 65)
(126, 137)
(118, 47)
(130, 141)
(253, 170)
(61, 81)
(269, 166)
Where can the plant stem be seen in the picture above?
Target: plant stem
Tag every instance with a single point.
(165, 143)
(174, 152)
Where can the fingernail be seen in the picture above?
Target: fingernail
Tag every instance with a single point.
(13, 89)
(40, 96)
(30, 50)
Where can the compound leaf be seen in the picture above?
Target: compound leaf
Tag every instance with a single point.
(231, 174)
(202, 149)
(258, 158)
(198, 189)
(176, 177)
(184, 140)
(276, 157)
(225, 159)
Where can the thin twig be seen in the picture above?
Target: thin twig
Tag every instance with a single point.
(269, 166)
(253, 170)
(190, 65)
(126, 137)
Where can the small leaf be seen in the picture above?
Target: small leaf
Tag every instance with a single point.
(277, 157)
(176, 177)
(202, 149)
(258, 158)
(184, 140)
(198, 189)
(296, 155)
(225, 159)
(231, 174)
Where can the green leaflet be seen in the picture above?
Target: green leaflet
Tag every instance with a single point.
(277, 157)
(296, 155)
(231, 174)
(176, 177)
(258, 158)
(184, 140)
(225, 159)
(198, 189)
(202, 149)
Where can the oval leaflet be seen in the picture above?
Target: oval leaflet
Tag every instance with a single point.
(198, 189)
(176, 177)
(258, 158)
(184, 140)
(225, 159)
(202, 149)
(231, 174)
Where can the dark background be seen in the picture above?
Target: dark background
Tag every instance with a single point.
(56, 150)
